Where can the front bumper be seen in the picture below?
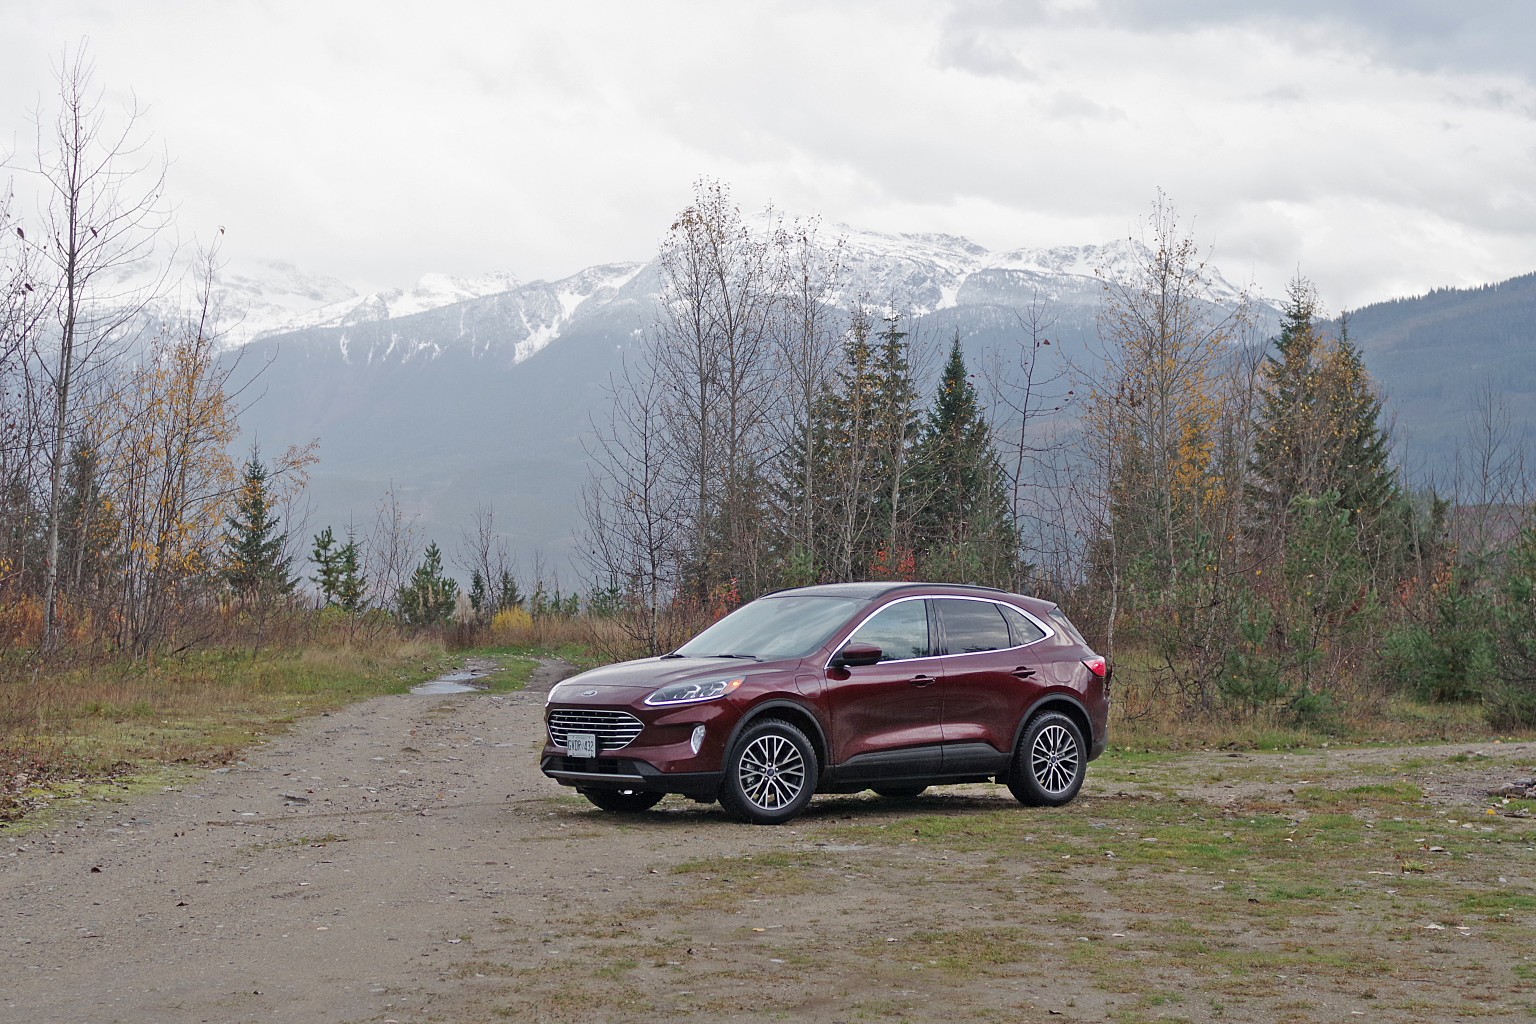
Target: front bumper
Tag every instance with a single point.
(628, 773)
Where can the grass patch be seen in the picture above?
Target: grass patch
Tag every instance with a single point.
(108, 723)
(957, 908)
(516, 669)
(1378, 795)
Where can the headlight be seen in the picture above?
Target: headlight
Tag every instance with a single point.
(692, 693)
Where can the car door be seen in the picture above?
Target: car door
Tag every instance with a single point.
(887, 714)
(990, 675)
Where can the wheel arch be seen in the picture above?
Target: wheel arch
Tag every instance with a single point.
(1064, 703)
(796, 714)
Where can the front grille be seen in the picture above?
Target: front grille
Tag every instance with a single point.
(614, 729)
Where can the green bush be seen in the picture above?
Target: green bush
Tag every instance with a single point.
(1449, 656)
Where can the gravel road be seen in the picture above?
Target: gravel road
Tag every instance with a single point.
(404, 860)
(327, 877)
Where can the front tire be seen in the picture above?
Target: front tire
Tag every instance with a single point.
(770, 774)
(622, 801)
(1050, 762)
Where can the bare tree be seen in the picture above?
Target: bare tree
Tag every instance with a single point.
(390, 549)
(721, 285)
(102, 212)
(633, 509)
(1029, 392)
(20, 314)
(1152, 438)
(483, 554)
(170, 473)
(808, 338)
(1492, 481)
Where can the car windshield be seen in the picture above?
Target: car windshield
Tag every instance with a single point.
(772, 628)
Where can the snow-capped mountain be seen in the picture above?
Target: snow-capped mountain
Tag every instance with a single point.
(497, 315)
(461, 392)
(432, 291)
(458, 392)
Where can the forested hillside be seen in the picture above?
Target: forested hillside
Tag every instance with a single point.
(1435, 354)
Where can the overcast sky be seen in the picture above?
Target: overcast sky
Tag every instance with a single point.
(1381, 149)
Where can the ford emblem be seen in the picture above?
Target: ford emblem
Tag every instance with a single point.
(589, 693)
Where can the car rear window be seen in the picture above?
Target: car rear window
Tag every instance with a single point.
(1065, 625)
(1025, 629)
(973, 626)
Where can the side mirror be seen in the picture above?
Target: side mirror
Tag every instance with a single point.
(856, 654)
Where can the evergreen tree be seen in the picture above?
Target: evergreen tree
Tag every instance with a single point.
(1510, 699)
(507, 594)
(1369, 486)
(324, 556)
(963, 526)
(479, 597)
(339, 575)
(859, 439)
(255, 566)
(88, 526)
(428, 597)
(1319, 427)
(351, 585)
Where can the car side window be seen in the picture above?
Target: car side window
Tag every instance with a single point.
(973, 626)
(899, 630)
(1025, 629)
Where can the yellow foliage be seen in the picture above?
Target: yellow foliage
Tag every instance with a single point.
(509, 620)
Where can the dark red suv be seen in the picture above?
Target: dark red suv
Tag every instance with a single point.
(892, 687)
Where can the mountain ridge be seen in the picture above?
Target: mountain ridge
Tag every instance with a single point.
(490, 399)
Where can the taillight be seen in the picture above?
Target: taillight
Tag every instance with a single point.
(1097, 665)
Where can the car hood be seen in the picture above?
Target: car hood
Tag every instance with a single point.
(629, 679)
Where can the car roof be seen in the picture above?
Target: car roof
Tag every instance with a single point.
(871, 589)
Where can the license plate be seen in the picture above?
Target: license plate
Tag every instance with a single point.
(581, 744)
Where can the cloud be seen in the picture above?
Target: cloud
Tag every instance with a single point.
(974, 53)
(379, 141)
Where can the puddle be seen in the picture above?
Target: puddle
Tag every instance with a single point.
(453, 682)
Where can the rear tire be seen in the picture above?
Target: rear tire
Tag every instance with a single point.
(770, 774)
(622, 801)
(899, 792)
(1050, 762)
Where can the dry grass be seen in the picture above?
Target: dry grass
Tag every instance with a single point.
(85, 719)
(584, 640)
(1146, 715)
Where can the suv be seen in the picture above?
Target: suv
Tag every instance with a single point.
(893, 687)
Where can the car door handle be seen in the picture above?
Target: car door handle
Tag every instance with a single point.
(1024, 672)
(921, 680)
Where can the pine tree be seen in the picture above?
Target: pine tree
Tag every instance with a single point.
(339, 574)
(351, 585)
(507, 594)
(88, 526)
(859, 439)
(1368, 484)
(255, 566)
(479, 597)
(963, 525)
(324, 556)
(428, 597)
(1319, 429)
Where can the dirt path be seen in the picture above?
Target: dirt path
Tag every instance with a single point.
(404, 860)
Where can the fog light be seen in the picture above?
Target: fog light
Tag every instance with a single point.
(697, 739)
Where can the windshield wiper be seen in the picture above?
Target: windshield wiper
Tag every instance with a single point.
(743, 657)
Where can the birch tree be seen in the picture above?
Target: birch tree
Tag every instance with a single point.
(100, 216)
(721, 286)
(1154, 422)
